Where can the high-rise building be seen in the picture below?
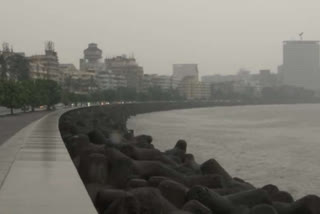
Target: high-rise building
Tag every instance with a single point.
(186, 78)
(91, 61)
(180, 71)
(191, 88)
(50, 62)
(301, 64)
(127, 67)
(110, 80)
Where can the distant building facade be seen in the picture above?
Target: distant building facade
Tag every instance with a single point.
(301, 66)
(92, 59)
(180, 71)
(268, 79)
(38, 70)
(154, 80)
(50, 62)
(217, 78)
(185, 77)
(82, 82)
(67, 71)
(191, 88)
(109, 80)
(127, 67)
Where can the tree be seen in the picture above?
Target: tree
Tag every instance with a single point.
(11, 94)
(126, 94)
(19, 67)
(31, 93)
(3, 68)
(109, 95)
(65, 97)
(49, 92)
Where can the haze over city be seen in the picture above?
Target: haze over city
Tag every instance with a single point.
(220, 36)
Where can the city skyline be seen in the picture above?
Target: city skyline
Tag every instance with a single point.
(250, 37)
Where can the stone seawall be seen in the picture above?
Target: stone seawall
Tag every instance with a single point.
(124, 173)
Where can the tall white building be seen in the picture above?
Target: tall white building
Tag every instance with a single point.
(301, 64)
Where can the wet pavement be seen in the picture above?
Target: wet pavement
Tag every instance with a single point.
(38, 175)
(11, 124)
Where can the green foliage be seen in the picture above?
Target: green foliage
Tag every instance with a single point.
(14, 67)
(49, 92)
(126, 94)
(31, 93)
(19, 68)
(11, 95)
(3, 68)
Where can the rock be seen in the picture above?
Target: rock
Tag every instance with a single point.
(282, 196)
(250, 198)
(125, 205)
(154, 181)
(210, 181)
(212, 167)
(152, 202)
(189, 162)
(129, 135)
(143, 139)
(196, 207)
(77, 143)
(180, 212)
(92, 148)
(174, 192)
(263, 209)
(276, 195)
(181, 145)
(271, 189)
(147, 169)
(135, 183)
(145, 154)
(120, 172)
(178, 152)
(105, 197)
(215, 202)
(93, 190)
(97, 137)
(308, 204)
(93, 168)
(236, 187)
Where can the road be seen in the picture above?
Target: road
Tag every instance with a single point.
(11, 124)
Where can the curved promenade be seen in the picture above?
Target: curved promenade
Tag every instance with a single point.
(37, 174)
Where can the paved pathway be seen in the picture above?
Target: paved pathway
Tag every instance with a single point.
(38, 175)
(11, 124)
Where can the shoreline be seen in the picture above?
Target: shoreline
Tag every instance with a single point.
(103, 151)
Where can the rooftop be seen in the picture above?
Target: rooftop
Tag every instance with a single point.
(301, 42)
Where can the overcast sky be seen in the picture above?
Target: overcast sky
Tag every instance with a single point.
(220, 35)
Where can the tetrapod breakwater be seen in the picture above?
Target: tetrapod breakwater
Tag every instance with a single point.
(124, 173)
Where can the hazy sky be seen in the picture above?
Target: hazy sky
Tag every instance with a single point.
(220, 35)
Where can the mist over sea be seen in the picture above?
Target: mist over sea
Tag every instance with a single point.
(278, 144)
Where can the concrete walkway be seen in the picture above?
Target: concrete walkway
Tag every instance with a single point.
(38, 175)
